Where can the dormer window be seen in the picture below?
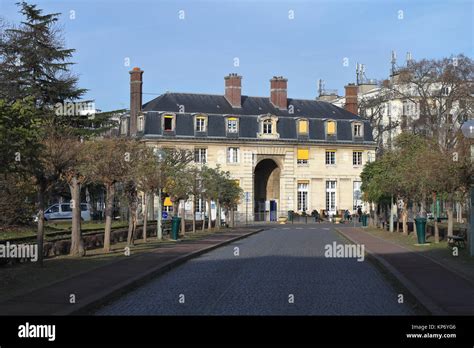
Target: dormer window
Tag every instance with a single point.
(141, 123)
(303, 127)
(201, 123)
(268, 127)
(169, 122)
(232, 125)
(123, 126)
(331, 128)
(357, 130)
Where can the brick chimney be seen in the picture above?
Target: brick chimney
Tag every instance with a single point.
(278, 92)
(233, 89)
(136, 83)
(351, 98)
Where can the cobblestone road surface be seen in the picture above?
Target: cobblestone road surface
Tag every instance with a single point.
(273, 267)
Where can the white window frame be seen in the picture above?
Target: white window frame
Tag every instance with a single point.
(123, 127)
(329, 158)
(200, 124)
(357, 126)
(357, 158)
(302, 190)
(234, 129)
(356, 187)
(200, 155)
(331, 203)
(173, 122)
(233, 155)
(141, 123)
(267, 126)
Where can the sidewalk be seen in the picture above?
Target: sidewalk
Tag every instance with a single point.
(438, 289)
(93, 287)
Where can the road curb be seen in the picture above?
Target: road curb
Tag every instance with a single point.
(106, 295)
(416, 293)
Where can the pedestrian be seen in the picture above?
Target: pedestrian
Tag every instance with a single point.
(359, 212)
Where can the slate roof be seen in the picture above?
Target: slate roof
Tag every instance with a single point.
(217, 106)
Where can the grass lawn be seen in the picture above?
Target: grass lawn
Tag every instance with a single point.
(440, 252)
(52, 227)
(23, 278)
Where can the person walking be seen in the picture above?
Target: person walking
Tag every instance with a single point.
(359, 212)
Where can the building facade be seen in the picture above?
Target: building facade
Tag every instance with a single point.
(286, 154)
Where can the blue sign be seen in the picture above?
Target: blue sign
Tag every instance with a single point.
(164, 215)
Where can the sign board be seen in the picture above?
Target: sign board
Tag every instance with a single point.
(247, 197)
(164, 215)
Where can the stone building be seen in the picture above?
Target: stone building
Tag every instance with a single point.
(285, 153)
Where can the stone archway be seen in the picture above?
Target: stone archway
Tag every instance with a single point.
(266, 190)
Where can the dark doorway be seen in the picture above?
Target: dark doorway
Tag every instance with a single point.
(266, 190)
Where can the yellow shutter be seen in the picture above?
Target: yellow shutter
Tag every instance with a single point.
(168, 202)
(168, 116)
(303, 154)
(232, 118)
(303, 181)
(303, 126)
(331, 127)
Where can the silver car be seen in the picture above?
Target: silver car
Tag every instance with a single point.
(63, 211)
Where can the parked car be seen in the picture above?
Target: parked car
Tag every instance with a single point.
(63, 211)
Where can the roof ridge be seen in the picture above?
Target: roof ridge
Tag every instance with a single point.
(243, 95)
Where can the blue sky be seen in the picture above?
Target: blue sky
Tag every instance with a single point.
(195, 53)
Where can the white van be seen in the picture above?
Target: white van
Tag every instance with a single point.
(63, 211)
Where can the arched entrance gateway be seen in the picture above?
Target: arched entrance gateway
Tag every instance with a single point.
(266, 190)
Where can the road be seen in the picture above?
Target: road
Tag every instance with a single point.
(280, 271)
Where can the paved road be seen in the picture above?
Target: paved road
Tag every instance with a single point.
(274, 266)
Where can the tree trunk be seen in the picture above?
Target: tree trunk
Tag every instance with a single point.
(194, 214)
(376, 215)
(232, 218)
(203, 214)
(449, 211)
(209, 223)
(391, 215)
(159, 229)
(405, 219)
(145, 215)
(109, 206)
(435, 215)
(183, 218)
(132, 223)
(77, 244)
(415, 213)
(131, 226)
(40, 232)
(218, 215)
(436, 230)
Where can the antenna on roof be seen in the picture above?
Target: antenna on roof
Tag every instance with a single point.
(360, 72)
(409, 58)
(394, 62)
(357, 73)
(320, 86)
